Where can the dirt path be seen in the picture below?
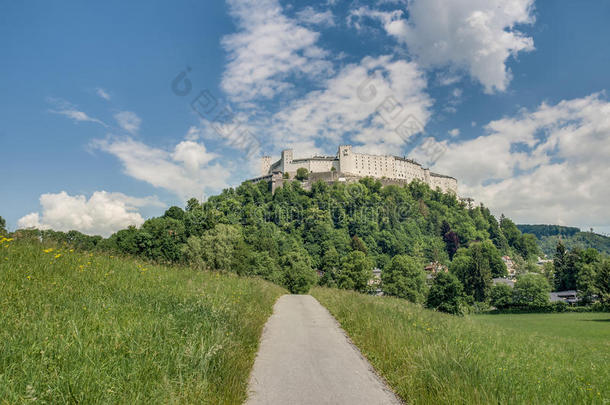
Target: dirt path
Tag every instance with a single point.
(305, 358)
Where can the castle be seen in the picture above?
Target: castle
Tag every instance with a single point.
(347, 164)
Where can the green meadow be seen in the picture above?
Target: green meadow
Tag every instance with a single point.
(83, 328)
(430, 358)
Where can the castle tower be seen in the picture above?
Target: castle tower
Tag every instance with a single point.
(265, 165)
(286, 160)
(346, 159)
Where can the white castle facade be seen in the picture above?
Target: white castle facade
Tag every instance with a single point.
(349, 163)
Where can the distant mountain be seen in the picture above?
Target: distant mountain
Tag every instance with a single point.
(549, 235)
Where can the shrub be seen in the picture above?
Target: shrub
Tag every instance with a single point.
(501, 296)
(446, 294)
(531, 290)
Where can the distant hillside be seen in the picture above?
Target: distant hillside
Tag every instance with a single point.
(549, 235)
(548, 230)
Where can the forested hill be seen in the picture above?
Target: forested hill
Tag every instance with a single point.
(341, 230)
(548, 230)
(549, 235)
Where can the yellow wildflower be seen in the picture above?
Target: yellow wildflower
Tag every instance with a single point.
(57, 255)
(49, 250)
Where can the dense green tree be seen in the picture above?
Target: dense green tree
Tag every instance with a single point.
(215, 249)
(358, 245)
(298, 276)
(302, 174)
(356, 270)
(501, 296)
(405, 277)
(531, 290)
(471, 266)
(602, 281)
(446, 294)
(175, 213)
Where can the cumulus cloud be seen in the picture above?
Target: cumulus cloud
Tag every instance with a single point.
(128, 120)
(65, 108)
(268, 48)
(549, 165)
(365, 102)
(310, 16)
(476, 36)
(102, 93)
(186, 170)
(101, 214)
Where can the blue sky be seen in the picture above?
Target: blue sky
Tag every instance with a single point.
(511, 94)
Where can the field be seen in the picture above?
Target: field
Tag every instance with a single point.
(431, 358)
(77, 327)
(579, 328)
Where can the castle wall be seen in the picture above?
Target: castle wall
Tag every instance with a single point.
(348, 163)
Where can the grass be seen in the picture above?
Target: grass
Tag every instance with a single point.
(430, 358)
(90, 328)
(579, 328)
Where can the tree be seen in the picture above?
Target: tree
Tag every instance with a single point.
(585, 283)
(175, 213)
(452, 242)
(356, 270)
(531, 290)
(358, 245)
(602, 281)
(405, 278)
(471, 266)
(298, 276)
(215, 249)
(446, 294)
(501, 296)
(302, 174)
(3, 226)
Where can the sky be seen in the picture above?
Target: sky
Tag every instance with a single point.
(114, 111)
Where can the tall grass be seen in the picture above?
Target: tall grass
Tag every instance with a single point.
(433, 358)
(84, 328)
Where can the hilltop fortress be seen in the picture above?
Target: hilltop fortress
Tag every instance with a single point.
(348, 165)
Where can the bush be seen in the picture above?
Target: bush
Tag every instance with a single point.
(302, 174)
(531, 290)
(446, 294)
(501, 296)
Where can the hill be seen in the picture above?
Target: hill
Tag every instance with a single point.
(432, 358)
(93, 328)
(339, 230)
(549, 235)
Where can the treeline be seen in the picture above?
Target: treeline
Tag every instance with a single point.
(548, 230)
(334, 235)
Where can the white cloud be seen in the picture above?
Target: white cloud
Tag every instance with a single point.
(62, 107)
(454, 132)
(268, 48)
(545, 166)
(128, 120)
(310, 16)
(102, 214)
(102, 93)
(186, 171)
(348, 103)
(477, 36)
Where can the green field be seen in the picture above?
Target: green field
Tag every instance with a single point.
(431, 358)
(84, 328)
(578, 328)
